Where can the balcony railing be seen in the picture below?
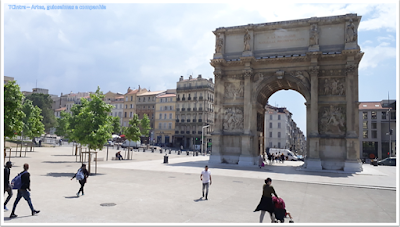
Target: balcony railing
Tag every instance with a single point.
(194, 109)
(187, 132)
(178, 99)
(188, 109)
(194, 98)
(194, 120)
(200, 120)
(198, 132)
(201, 109)
(183, 109)
(176, 132)
(177, 109)
(183, 99)
(177, 120)
(193, 132)
(189, 98)
(188, 120)
(201, 98)
(182, 120)
(182, 132)
(195, 87)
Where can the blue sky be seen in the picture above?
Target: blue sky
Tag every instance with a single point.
(152, 45)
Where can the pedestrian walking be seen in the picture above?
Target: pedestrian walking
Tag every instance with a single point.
(266, 204)
(81, 175)
(40, 143)
(205, 177)
(282, 157)
(23, 191)
(7, 186)
(260, 161)
(60, 142)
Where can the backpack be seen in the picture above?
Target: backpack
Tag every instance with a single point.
(16, 183)
(279, 203)
(79, 175)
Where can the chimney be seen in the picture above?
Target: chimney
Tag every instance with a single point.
(211, 80)
(129, 89)
(181, 78)
(199, 76)
(190, 77)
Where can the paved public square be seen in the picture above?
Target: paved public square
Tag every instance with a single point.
(145, 190)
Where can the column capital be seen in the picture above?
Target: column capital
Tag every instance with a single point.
(314, 70)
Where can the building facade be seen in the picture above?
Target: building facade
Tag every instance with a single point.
(194, 110)
(164, 127)
(374, 129)
(118, 107)
(75, 98)
(130, 104)
(146, 104)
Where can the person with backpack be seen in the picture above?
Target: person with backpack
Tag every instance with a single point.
(81, 176)
(266, 204)
(22, 183)
(7, 186)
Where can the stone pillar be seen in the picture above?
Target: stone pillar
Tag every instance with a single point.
(353, 162)
(216, 136)
(313, 160)
(250, 122)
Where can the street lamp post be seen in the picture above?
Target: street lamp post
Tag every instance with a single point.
(390, 135)
(202, 137)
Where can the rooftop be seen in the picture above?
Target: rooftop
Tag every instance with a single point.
(151, 93)
(167, 95)
(371, 106)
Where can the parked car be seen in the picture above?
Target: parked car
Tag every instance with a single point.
(391, 161)
(129, 143)
(300, 158)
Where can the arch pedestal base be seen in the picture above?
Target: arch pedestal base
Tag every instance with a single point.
(353, 166)
(312, 164)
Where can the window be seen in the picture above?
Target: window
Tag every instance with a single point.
(365, 115)
(165, 125)
(383, 115)
(131, 98)
(270, 125)
(159, 125)
(279, 117)
(131, 106)
(169, 125)
(365, 124)
(165, 116)
(365, 134)
(270, 144)
(279, 134)
(279, 125)
(126, 98)
(160, 116)
(170, 116)
(160, 108)
(130, 114)
(373, 125)
(139, 99)
(374, 134)
(270, 117)
(152, 116)
(125, 114)
(126, 106)
(393, 115)
(373, 115)
(279, 144)
(270, 134)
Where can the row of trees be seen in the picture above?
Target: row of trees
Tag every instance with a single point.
(90, 124)
(21, 116)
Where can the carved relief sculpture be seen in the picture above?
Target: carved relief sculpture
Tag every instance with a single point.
(332, 86)
(351, 32)
(233, 90)
(233, 119)
(299, 75)
(314, 35)
(219, 44)
(247, 41)
(332, 120)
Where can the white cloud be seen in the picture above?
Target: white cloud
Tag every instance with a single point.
(387, 38)
(374, 56)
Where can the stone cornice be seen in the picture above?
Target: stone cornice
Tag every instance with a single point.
(291, 23)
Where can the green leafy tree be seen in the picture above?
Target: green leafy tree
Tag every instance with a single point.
(90, 124)
(145, 125)
(116, 126)
(13, 113)
(62, 124)
(44, 102)
(33, 126)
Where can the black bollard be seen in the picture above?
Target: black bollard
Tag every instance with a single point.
(166, 158)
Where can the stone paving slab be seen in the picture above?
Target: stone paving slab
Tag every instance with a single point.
(147, 191)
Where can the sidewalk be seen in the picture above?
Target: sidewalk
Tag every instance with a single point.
(145, 190)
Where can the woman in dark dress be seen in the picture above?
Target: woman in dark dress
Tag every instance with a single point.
(266, 203)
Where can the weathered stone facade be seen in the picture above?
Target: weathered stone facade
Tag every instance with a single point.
(317, 57)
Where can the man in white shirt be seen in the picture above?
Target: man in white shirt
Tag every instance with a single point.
(205, 177)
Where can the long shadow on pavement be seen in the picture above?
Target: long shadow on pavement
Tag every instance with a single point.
(67, 174)
(275, 168)
(8, 218)
(71, 197)
(54, 162)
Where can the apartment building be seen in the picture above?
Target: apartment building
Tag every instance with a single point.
(130, 104)
(281, 131)
(118, 107)
(164, 127)
(8, 79)
(146, 104)
(194, 110)
(75, 98)
(377, 129)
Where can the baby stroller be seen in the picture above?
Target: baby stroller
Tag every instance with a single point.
(280, 211)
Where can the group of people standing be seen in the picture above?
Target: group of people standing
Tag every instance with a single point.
(277, 158)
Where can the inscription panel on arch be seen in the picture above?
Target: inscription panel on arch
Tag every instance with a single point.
(281, 39)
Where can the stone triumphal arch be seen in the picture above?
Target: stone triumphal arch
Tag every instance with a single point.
(317, 57)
